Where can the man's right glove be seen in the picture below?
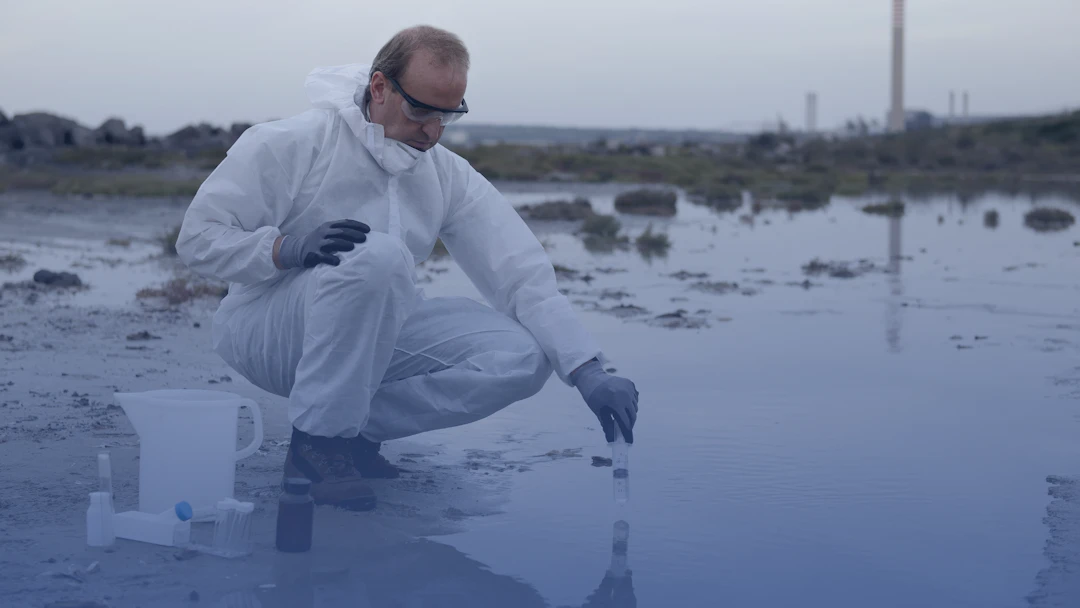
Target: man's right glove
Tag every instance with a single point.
(321, 245)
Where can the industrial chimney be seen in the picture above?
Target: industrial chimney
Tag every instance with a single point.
(896, 114)
(965, 104)
(811, 112)
(952, 104)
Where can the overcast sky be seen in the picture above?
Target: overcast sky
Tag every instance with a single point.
(709, 64)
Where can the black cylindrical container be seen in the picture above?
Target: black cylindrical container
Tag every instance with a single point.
(296, 514)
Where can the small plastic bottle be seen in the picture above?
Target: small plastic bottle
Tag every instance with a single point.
(171, 528)
(99, 521)
(296, 516)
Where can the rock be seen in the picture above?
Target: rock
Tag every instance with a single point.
(143, 335)
(193, 596)
(237, 129)
(57, 279)
(563, 272)
(578, 209)
(199, 137)
(715, 287)
(890, 209)
(990, 219)
(41, 130)
(113, 132)
(646, 202)
(1046, 219)
(838, 270)
(683, 275)
(678, 320)
(624, 311)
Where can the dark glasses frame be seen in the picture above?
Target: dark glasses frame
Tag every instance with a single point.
(416, 103)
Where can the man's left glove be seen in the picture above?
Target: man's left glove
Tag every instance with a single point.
(614, 400)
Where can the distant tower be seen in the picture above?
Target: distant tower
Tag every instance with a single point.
(896, 114)
(965, 104)
(952, 104)
(811, 112)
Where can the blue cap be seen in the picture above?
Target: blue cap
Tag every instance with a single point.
(183, 510)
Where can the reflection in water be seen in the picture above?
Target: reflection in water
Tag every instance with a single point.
(616, 590)
(416, 573)
(893, 314)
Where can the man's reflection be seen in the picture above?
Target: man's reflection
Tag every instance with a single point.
(414, 574)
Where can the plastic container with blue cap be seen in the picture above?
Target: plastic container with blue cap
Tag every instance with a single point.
(170, 528)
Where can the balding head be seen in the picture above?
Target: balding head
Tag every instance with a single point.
(428, 64)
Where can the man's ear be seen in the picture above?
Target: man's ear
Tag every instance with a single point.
(380, 88)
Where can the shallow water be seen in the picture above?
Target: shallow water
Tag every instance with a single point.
(882, 440)
(822, 446)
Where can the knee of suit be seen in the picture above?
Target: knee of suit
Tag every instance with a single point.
(380, 260)
(534, 361)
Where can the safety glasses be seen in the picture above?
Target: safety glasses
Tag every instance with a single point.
(421, 112)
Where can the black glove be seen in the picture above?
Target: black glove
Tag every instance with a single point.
(320, 245)
(613, 399)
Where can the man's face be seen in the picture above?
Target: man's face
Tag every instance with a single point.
(424, 80)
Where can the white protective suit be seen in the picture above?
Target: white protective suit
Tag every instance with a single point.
(358, 347)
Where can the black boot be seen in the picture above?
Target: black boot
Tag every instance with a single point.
(328, 463)
(370, 463)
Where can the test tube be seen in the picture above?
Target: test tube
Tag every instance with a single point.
(242, 539)
(620, 473)
(105, 477)
(222, 525)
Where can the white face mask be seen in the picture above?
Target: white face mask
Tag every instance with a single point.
(397, 157)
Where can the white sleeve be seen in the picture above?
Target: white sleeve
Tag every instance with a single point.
(229, 229)
(506, 262)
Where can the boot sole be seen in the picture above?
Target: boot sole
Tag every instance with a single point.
(364, 502)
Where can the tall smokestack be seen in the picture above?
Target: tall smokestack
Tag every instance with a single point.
(952, 104)
(811, 112)
(896, 114)
(965, 104)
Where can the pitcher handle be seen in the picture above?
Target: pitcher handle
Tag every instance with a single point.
(256, 417)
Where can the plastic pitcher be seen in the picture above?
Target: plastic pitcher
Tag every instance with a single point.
(187, 446)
